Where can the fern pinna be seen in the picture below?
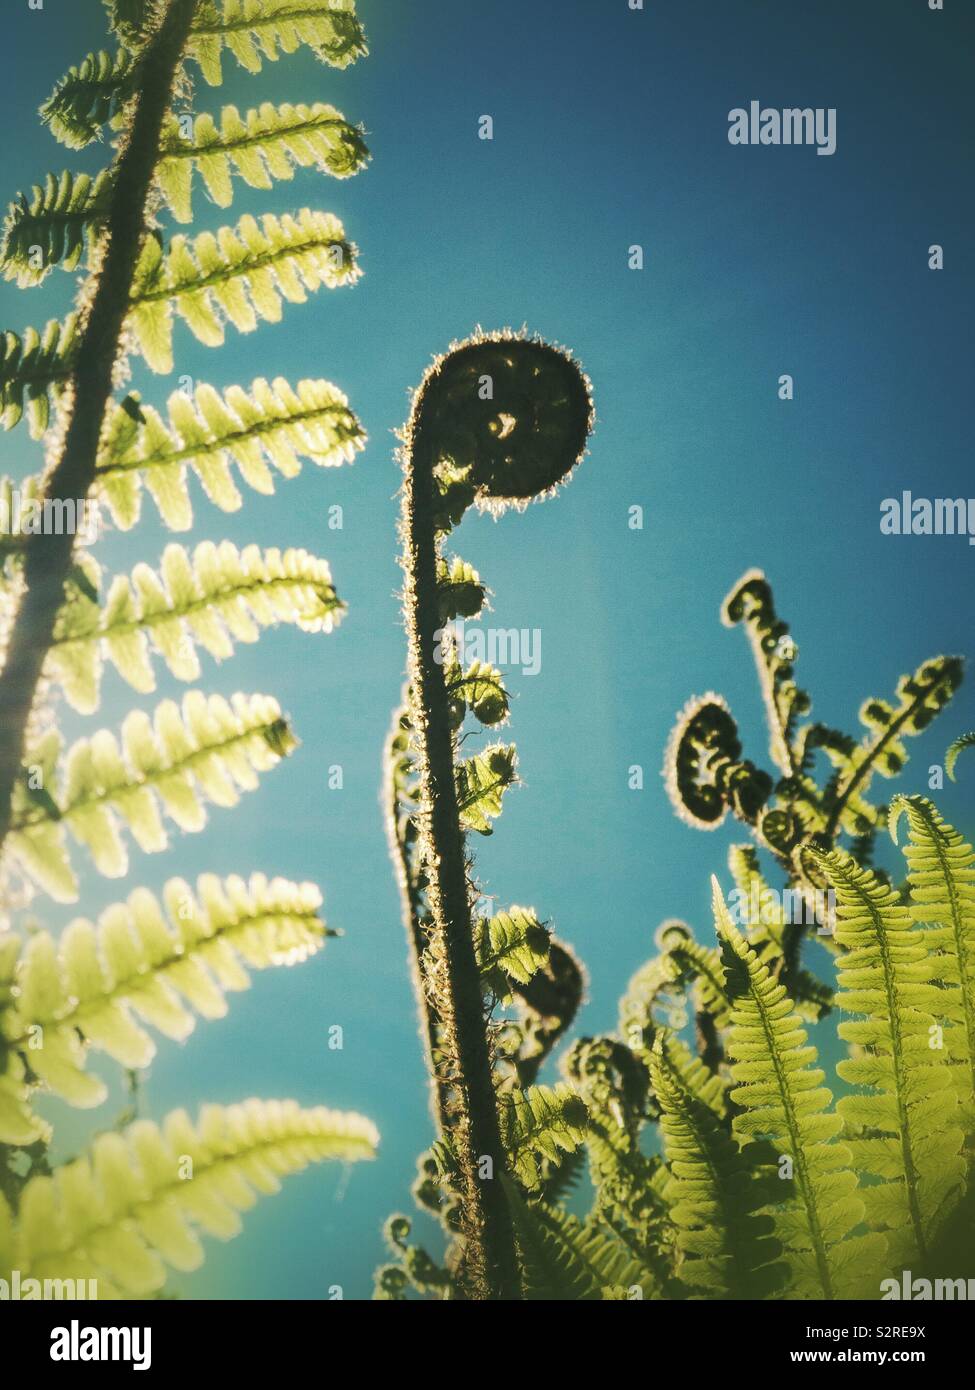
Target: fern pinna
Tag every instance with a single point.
(497, 421)
(134, 1205)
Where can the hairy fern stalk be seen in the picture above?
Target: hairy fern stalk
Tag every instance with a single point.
(725, 1162)
(137, 1203)
(498, 420)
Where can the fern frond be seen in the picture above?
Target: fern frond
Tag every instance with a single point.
(951, 757)
(479, 689)
(254, 30)
(34, 372)
(941, 875)
(512, 945)
(216, 597)
(54, 225)
(909, 1118)
(266, 144)
(18, 1123)
(920, 699)
(459, 589)
(128, 18)
(208, 750)
(704, 772)
(565, 1261)
(725, 1247)
(781, 1100)
(88, 988)
(89, 96)
(136, 1202)
(751, 602)
(481, 783)
(543, 1122)
(238, 276)
(272, 424)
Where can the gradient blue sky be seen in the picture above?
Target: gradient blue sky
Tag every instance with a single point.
(610, 129)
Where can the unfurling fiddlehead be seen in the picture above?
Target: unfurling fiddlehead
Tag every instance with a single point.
(499, 419)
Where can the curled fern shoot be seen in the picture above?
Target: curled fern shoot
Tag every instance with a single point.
(498, 419)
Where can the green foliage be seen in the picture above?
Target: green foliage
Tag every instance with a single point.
(88, 988)
(237, 277)
(53, 226)
(266, 144)
(910, 1117)
(270, 428)
(707, 775)
(34, 372)
(951, 757)
(137, 1202)
(217, 596)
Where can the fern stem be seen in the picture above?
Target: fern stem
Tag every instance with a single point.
(411, 905)
(491, 1258)
(48, 558)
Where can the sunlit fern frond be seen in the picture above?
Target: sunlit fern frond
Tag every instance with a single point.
(941, 876)
(239, 276)
(565, 1261)
(782, 1103)
(137, 1202)
(208, 750)
(511, 946)
(482, 781)
(542, 1123)
(216, 597)
(267, 144)
(53, 225)
(257, 30)
(88, 988)
(270, 427)
(963, 741)
(906, 1123)
(89, 96)
(34, 372)
(726, 1247)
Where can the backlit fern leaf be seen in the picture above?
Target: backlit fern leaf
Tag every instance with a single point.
(208, 750)
(511, 945)
(482, 781)
(540, 1123)
(34, 372)
(88, 988)
(136, 1201)
(951, 757)
(53, 226)
(238, 276)
(216, 597)
(906, 1125)
(255, 30)
(941, 874)
(479, 689)
(751, 602)
(89, 96)
(781, 1101)
(920, 698)
(272, 424)
(726, 1248)
(564, 1261)
(266, 144)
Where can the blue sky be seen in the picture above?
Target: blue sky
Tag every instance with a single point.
(610, 129)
